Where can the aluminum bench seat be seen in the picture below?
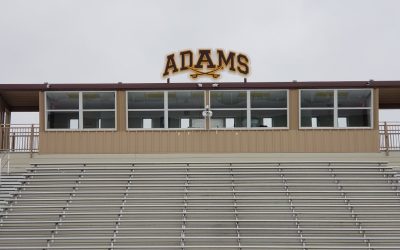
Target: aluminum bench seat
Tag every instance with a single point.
(240, 205)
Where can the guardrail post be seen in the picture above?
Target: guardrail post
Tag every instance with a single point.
(13, 142)
(386, 134)
(1, 136)
(31, 139)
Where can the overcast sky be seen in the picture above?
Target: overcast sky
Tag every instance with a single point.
(82, 41)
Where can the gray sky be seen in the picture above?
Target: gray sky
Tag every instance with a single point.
(110, 41)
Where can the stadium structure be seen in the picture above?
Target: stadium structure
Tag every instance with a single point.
(227, 165)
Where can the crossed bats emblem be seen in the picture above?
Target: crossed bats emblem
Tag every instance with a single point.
(213, 72)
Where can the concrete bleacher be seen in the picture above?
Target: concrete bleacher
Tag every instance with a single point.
(188, 205)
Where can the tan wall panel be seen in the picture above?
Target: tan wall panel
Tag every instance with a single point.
(210, 141)
(294, 109)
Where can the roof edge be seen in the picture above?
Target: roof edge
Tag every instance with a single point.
(199, 85)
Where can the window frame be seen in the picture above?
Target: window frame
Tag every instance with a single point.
(165, 110)
(189, 109)
(336, 109)
(127, 110)
(80, 111)
(248, 109)
(287, 109)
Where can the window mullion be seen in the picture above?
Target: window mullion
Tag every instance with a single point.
(248, 112)
(80, 110)
(335, 111)
(166, 125)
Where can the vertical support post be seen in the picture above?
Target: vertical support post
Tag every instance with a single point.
(8, 126)
(31, 139)
(2, 135)
(13, 142)
(386, 135)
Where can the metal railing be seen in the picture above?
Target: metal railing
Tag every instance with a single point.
(19, 138)
(389, 136)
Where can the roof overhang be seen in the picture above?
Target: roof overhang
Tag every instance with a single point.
(25, 97)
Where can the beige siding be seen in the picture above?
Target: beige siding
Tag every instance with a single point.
(211, 141)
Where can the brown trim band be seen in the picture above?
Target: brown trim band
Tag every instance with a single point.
(205, 86)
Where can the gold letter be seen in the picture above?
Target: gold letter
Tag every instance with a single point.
(223, 61)
(204, 57)
(243, 61)
(183, 55)
(170, 65)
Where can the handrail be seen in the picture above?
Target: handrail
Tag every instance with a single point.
(19, 137)
(389, 136)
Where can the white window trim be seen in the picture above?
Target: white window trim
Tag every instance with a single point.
(189, 109)
(80, 111)
(128, 110)
(165, 110)
(249, 109)
(287, 110)
(335, 109)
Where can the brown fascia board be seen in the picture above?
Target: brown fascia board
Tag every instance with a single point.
(196, 85)
(25, 109)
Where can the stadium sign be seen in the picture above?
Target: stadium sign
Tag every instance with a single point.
(206, 63)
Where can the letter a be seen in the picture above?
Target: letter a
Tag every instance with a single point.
(171, 64)
(204, 57)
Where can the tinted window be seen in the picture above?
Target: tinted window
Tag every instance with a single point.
(98, 100)
(317, 98)
(62, 120)
(186, 100)
(317, 118)
(354, 98)
(268, 99)
(228, 99)
(99, 119)
(354, 118)
(62, 100)
(229, 119)
(145, 119)
(146, 100)
(268, 118)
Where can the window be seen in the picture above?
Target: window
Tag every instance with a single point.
(268, 108)
(185, 109)
(80, 110)
(354, 108)
(317, 108)
(62, 110)
(146, 109)
(98, 110)
(229, 109)
(336, 108)
(249, 109)
(165, 109)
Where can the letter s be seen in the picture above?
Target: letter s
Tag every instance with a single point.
(243, 62)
